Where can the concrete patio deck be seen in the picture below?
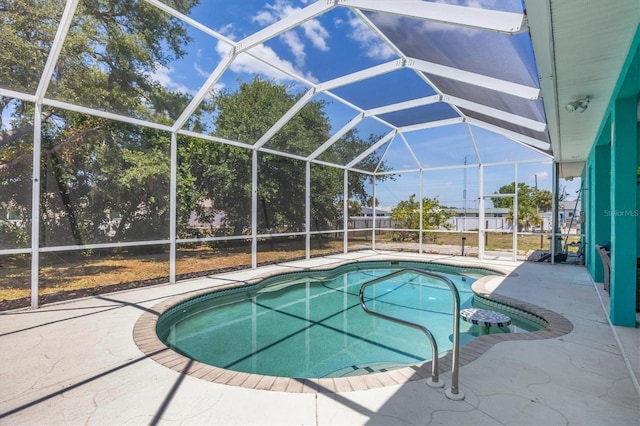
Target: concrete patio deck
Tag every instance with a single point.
(77, 363)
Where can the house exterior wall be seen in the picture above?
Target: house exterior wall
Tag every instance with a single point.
(461, 223)
(457, 223)
(613, 199)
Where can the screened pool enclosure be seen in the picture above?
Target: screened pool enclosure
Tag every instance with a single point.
(174, 134)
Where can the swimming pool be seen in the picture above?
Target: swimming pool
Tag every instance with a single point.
(310, 324)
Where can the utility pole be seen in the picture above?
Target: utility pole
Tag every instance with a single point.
(464, 195)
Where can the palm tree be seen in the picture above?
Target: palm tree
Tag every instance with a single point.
(527, 217)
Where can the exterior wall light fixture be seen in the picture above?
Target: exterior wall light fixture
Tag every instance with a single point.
(578, 105)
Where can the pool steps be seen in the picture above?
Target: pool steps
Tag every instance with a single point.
(145, 337)
(454, 392)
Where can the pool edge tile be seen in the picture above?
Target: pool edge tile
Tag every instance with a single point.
(144, 335)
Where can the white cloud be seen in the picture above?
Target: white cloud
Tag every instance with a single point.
(162, 75)
(372, 46)
(264, 17)
(245, 63)
(313, 30)
(202, 73)
(7, 115)
(296, 46)
(540, 175)
(206, 74)
(317, 34)
(227, 31)
(482, 4)
(223, 49)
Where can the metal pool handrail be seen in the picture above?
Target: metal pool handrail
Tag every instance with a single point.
(452, 393)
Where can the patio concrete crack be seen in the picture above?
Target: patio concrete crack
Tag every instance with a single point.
(207, 405)
(66, 388)
(631, 403)
(434, 412)
(536, 400)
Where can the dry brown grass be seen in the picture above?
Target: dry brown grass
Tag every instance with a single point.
(75, 271)
(79, 270)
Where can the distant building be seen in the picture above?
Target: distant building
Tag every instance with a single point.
(365, 221)
(569, 217)
(569, 214)
(468, 219)
(380, 211)
(216, 218)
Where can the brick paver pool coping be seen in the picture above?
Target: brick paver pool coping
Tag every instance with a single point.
(144, 335)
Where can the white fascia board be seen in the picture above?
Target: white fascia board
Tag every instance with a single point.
(372, 148)
(457, 167)
(476, 165)
(215, 139)
(539, 14)
(17, 95)
(413, 155)
(286, 117)
(256, 53)
(382, 36)
(383, 122)
(190, 21)
(383, 156)
(526, 141)
(344, 102)
(104, 245)
(201, 240)
(484, 19)
(326, 163)
(104, 114)
(15, 251)
(364, 172)
(538, 126)
(473, 142)
(282, 154)
(206, 88)
(403, 105)
(333, 139)
(426, 80)
(398, 172)
(506, 163)
(500, 195)
(431, 124)
(361, 75)
(515, 89)
(285, 24)
(280, 234)
(56, 47)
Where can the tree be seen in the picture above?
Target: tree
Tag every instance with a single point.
(222, 172)
(530, 202)
(543, 200)
(355, 208)
(92, 168)
(104, 180)
(371, 202)
(406, 215)
(528, 216)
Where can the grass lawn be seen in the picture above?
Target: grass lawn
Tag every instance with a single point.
(76, 271)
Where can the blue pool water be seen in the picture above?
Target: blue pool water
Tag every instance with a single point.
(311, 325)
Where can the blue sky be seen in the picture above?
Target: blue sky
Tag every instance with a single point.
(338, 43)
(332, 45)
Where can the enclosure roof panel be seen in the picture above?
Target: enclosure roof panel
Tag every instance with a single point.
(386, 68)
